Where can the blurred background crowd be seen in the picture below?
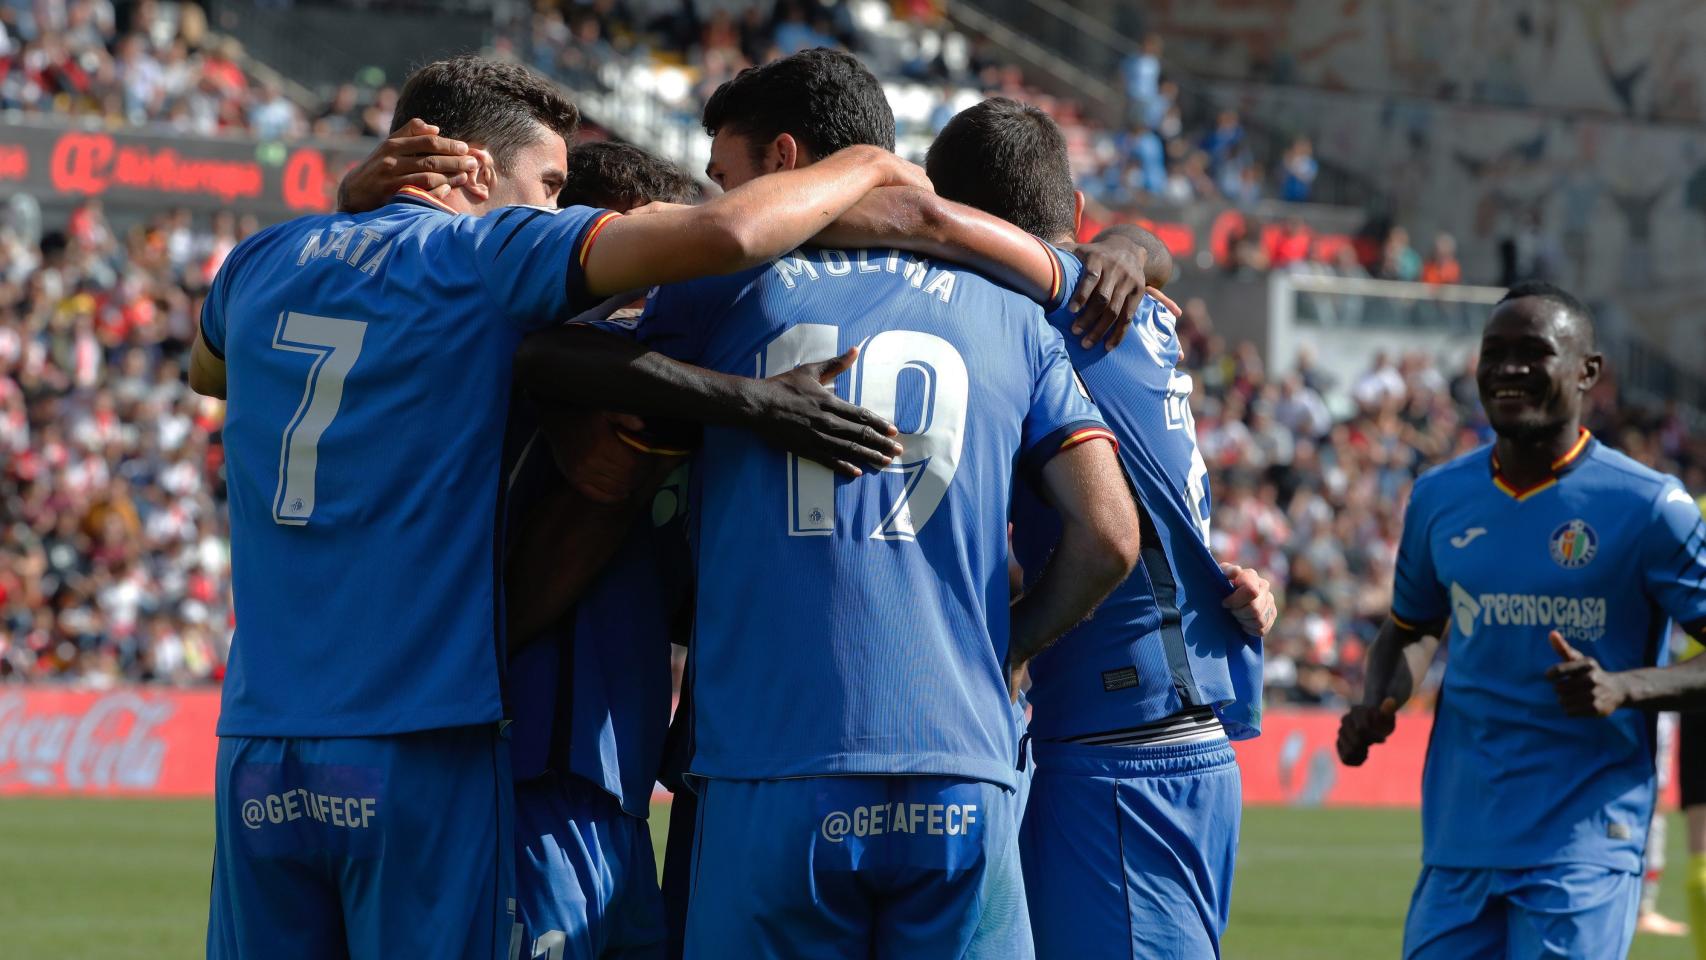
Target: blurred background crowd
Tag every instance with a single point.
(113, 552)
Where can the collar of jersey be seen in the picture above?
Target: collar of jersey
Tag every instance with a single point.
(419, 197)
(1560, 466)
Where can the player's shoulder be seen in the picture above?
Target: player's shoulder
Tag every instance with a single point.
(1614, 472)
(1454, 474)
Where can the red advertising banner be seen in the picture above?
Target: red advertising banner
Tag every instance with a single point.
(139, 168)
(128, 741)
(1294, 762)
(138, 740)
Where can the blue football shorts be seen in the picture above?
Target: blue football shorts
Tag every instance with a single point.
(856, 867)
(1128, 851)
(368, 848)
(585, 875)
(1577, 911)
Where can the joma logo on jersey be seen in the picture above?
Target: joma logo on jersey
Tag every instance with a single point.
(1573, 545)
(1577, 618)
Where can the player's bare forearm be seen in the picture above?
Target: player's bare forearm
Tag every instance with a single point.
(1398, 656)
(564, 542)
(743, 228)
(910, 218)
(207, 371)
(580, 366)
(1680, 686)
(1098, 547)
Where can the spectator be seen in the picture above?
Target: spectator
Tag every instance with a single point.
(1143, 150)
(1140, 73)
(1298, 170)
(1222, 142)
(1441, 265)
(1399, 260)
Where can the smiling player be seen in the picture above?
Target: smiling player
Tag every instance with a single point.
(1544, 556)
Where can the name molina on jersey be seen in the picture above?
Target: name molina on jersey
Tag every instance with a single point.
(1579, 619)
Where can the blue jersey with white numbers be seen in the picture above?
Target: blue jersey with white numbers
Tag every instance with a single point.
(1607, 552)
(590, 696)
(368, 365)
(1162, 641)
(860, 626)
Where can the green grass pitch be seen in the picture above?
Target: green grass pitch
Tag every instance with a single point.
(127, 880)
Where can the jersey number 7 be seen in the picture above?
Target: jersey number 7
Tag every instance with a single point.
(335, 344)
(932, 453)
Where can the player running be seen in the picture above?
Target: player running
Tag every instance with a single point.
(837, 818)
(1131, 828)
(1544, 555)
(363, 802)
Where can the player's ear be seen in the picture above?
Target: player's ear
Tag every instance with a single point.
(1592, 364)
(782, 154)
(479, 186)
(1077, 212)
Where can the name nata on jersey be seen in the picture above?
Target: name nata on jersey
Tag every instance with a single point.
(337, 246)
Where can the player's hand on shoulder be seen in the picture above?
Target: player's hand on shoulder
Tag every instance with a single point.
(414, 156)
(1362, 727)
(1584, 688)
(1110, 291)
(799, 412)
(1252, 600)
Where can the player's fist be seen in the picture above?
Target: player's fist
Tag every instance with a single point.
(1362, 727)
(414, 156)
(1252, 601)
(1584, 688)
(594, 458)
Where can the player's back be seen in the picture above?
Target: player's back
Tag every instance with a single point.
(1161, 642)
(368, 378)
(1511, 780)
(859, 626)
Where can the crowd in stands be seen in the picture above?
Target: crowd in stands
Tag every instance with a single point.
(155, 64)
(113, 553)
(113, 548)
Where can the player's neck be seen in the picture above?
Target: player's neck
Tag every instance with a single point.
(1525, 461)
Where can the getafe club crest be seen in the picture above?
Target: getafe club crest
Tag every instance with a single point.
(1574, 544)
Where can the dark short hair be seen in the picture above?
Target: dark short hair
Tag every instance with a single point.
(621, 176)
(825, 99)
(494, 103)
(1577, 310)
(1009, 159)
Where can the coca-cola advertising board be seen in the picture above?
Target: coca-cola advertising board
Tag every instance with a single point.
(139, 740)
(132, 740)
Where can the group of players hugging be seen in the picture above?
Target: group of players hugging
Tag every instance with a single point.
(873, 447)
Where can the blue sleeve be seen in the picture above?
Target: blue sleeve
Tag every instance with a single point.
(1673, 558)
(1071, 269)
(671, 323)
(1417, 596)
(1061, 415)
(531, 261)
(213, 309)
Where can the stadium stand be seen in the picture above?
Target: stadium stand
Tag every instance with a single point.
(112, 541)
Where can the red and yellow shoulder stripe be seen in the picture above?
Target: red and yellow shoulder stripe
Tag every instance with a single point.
(593, 232)
(420, 194)
(1077, 437)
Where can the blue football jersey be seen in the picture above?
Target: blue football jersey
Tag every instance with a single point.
(860, 626)
(1161, 641)
(368, 362)
(590, 696)
(1606, 552)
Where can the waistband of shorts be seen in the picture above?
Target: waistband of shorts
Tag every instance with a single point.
(1054, 756)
